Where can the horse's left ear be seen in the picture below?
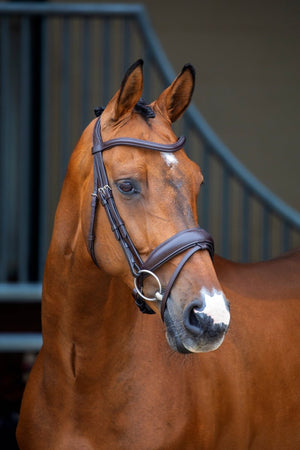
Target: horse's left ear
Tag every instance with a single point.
(174, 100)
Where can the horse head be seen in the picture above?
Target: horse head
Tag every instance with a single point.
(154, 197)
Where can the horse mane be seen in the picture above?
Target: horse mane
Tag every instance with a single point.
(144, 110)
(141, 108)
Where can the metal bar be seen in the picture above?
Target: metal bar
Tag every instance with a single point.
(106, 86)
(151, 41)
(126, 44)
(147, 74)
(20, 342)
(86, 57)
(205, 216)
(24, 155)
(224, 232)
(65, 99)
(5, 148)
(245, 225)
(73, 9)
(20, 292)
(44, 150)
(265, 246)
(185, 132)
(285, 237)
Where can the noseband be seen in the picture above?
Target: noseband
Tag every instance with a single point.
(191, 239)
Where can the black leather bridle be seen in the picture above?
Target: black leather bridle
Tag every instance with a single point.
(191, 239)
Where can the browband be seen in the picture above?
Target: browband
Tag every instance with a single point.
(100, 146)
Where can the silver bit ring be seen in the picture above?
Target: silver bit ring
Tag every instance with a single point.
(158, 294)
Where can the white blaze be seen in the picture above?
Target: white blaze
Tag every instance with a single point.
(169, 158)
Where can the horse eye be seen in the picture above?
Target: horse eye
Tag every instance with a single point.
(126, 187)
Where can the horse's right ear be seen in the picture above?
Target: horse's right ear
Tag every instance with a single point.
(130, 91)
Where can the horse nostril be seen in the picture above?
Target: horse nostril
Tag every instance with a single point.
(192, 317)
(199, 323)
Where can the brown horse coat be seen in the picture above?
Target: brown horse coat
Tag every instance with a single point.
(106, 377)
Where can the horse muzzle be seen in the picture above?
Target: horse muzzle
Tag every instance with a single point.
(201, 326)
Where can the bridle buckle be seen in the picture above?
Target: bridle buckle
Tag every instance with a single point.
(104, 193)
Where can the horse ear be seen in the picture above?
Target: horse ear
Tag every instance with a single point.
(174, 100)
(130, 91)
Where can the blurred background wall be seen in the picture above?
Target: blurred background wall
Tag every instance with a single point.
(246, 56)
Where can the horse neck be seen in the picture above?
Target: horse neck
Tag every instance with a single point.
(85, 311)
(82, 306)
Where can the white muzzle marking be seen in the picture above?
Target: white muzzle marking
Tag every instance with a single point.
(215, 306)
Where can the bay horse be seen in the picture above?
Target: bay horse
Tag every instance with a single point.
(106, 376)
